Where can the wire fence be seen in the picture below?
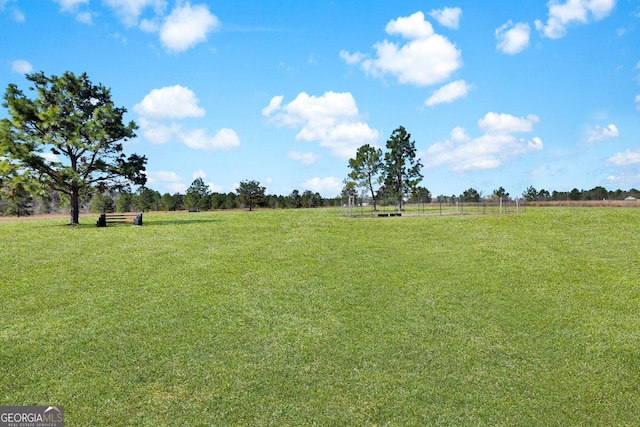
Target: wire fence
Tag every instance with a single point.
(352, 207)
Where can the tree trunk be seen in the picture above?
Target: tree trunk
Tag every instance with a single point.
(75, 206)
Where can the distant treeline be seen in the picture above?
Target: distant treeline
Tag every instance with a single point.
(21, 203)
(597, 193)
(146, 199)
(531, 194)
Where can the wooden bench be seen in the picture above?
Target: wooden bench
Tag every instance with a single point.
(120, 217)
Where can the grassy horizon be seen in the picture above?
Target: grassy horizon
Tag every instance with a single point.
(301, 317)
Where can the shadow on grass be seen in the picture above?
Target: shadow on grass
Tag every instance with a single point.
(90, 222)
(177, 221)
(156, 223)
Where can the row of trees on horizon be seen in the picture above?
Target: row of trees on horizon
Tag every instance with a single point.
(250, 194)
(62, 150)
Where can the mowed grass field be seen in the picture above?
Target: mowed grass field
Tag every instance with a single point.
(302, 317)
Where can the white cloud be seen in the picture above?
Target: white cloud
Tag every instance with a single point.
(150, 25)
(120, 38)
(169, 180)
(14, 11)
(325, 186)
(513, 38)
(427, 58)
(458, 134)
(274, 105)
(637, 101)
(85, 18)
(129, 11)
(304, 158)
(174, 183)
(172, 102)
(449, 93)
(70, 5)
(21, 66)
(448, 17)
(17, 15)
(224, 139)
(598, 133)
(624, 179)
(562, 15)
(352, 58)
(163, 176)
(214, 188)
(158, 132)
(176, 187)
(160, 108)
(187, 26)
(496, 146)
(601, 8)
(73, 6)
(332, 120)
(629, 157)
(410, 27)
(199, 174)
(500, 124)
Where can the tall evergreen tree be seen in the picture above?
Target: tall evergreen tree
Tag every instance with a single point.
(251, 192)
(69, 137)
(197, 196)
(366, 170)
(401, 168)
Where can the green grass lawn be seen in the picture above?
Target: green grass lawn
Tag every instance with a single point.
(302, 317)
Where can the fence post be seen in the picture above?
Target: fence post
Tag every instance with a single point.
(350, 203)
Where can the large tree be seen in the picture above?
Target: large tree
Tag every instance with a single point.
(294, 200)
(349, 190)
(401, 168)
(197, 196)
(530, 194)
(471, 195)
(69, 137)
(251, 193)
(366, 170)
(501, 193)
(421, 195)
(168, 202)
(146, 200)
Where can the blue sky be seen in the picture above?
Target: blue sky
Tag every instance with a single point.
(513, 94)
